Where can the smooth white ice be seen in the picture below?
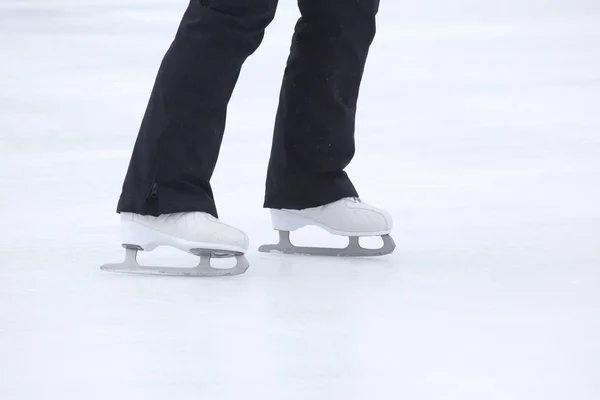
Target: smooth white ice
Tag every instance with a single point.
(479, 129)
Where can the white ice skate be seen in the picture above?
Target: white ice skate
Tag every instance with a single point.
(193, 232)
(347, 217)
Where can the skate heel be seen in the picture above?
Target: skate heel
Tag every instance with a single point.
(287, 221)
(136, 236)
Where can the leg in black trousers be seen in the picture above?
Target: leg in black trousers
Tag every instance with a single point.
(179, 141)
(314, 131)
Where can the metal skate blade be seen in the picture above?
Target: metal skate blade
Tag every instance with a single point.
(203, 269)
(354, 249)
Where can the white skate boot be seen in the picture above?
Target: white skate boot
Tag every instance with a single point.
(196, 233)
(346, 217)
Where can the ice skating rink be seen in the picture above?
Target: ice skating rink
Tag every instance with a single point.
(478, 128)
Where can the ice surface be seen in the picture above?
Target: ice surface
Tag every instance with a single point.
(479, 129)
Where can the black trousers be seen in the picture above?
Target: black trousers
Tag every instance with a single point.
(313, 141)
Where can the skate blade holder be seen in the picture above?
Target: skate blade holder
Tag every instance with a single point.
(353, 249)
(203, 269)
